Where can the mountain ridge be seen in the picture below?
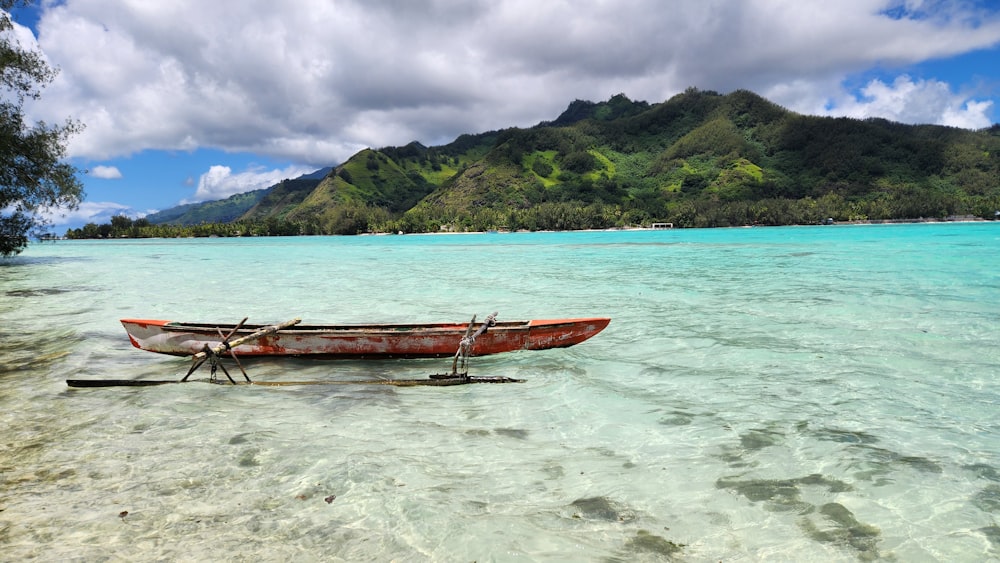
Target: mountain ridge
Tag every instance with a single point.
(699, 158)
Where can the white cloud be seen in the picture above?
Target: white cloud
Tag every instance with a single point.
(313, 81)
(88, 212)
(106, 172)
(220, 182)
(23, 36)
(904, 100)
(968, 115)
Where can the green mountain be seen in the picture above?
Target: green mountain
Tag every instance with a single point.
(257, 203)
(698, 159)
(221, 211)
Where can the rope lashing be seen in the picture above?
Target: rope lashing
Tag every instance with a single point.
(465, 345)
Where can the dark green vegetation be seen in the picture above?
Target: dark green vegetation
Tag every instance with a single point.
(32, 178)
(700, 159)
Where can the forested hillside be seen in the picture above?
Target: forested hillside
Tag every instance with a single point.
(700, 159)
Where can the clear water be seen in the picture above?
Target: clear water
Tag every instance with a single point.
(797, 394)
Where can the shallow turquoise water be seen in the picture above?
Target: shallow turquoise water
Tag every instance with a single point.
(801, 393)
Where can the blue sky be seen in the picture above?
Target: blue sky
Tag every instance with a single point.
(188, 101)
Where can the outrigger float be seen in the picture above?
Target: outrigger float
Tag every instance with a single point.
(208, 343)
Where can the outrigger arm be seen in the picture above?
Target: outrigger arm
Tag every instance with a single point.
(212, 354)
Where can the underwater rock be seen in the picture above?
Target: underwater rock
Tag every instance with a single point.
(844, 436)
(601, 508)
(884, 456)
(782, 494)
(832, 485)
(249, 458)
(988, 499)
(987, 472)
(238, 439)
(757, 490)
(651, 543)
(37, 292)
(519, 433)
(921, 464)
(992, 534)
(759, 439)
(847, 531)
(677, 418)
(554, 471)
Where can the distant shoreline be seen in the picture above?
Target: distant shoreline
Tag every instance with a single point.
(949, 219)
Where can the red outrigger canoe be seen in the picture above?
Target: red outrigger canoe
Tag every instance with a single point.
(357, 341)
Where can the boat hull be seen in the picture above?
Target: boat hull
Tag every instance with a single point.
(363, 341)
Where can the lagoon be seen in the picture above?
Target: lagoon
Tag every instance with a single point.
(820, 393)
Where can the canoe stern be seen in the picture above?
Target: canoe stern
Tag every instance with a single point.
(154, 335)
